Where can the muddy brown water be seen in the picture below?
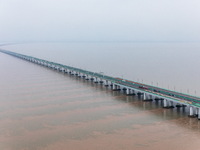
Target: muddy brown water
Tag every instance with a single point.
(41, 109)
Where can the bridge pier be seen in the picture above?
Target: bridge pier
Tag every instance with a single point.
(132, 92)
(167, 104)
(199, 113)
(146, 97)
(179, 105)
(96, 80)
(106, 84)
(61, 69)
(87, 77)
(191, 112)
(65, 71)
(83, 76)
(71, 72)
(152, 97)
(115, 87)
(101, 81)
(196, 111)
(127, 91)
(79, 75)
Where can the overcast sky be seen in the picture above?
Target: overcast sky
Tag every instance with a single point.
(99, 20)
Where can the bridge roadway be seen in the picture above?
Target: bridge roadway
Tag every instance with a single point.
(148, 92)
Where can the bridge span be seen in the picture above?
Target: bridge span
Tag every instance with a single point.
(170, 98)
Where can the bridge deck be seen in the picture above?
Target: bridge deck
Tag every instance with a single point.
(179, 97)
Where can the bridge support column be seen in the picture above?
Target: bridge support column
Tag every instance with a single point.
(195, 111)
(191, 112)
(111, 84)
(171, 103)
(86, 77)
(101, 81)
(96, 80)
(179, 105)
(127, 91)
(106, 84)
(71, 73)
(79, 75)
(146, 97)
(118, 88)
(199, 113)
(167, 104)
(114, 87)
(152, 97)
(132, 92)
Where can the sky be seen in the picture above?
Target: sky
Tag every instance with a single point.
(99, 20)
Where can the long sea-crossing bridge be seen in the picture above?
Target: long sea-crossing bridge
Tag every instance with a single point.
(170, 98)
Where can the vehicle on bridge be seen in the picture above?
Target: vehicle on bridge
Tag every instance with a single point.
(143, 87)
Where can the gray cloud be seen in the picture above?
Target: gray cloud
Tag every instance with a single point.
(99, 20)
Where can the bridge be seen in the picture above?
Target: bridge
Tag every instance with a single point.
(170, 98)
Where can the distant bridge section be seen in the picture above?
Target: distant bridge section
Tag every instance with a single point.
(170, 98)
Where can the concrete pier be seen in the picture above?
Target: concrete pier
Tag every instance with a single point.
(167, 104)
(146, 97)
(96, 80)
(115, 87)
(199, 113)
(101, 81)
(106, 84)
(191, 112)
(127, 91)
